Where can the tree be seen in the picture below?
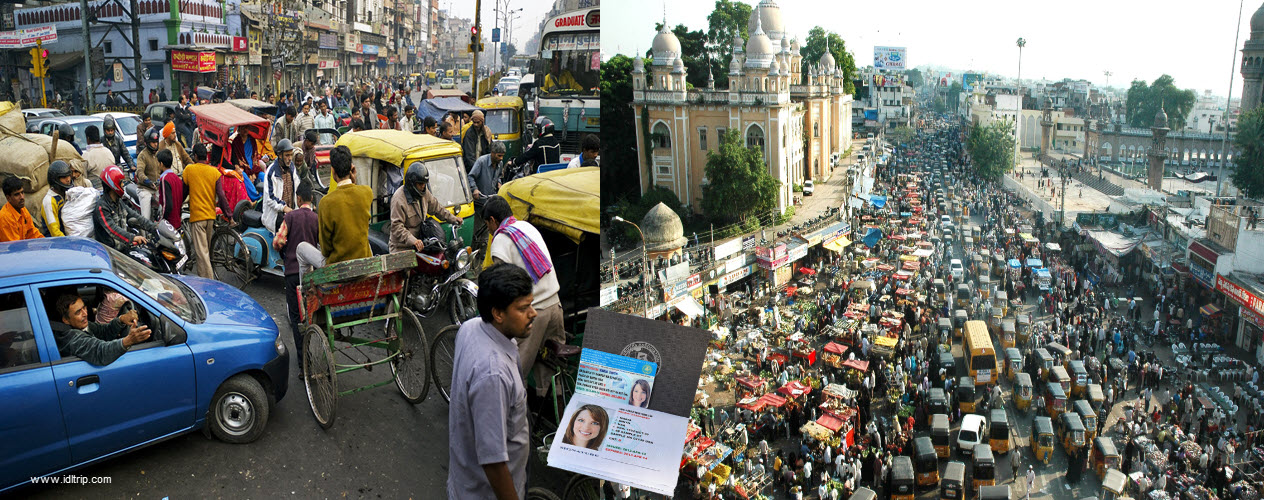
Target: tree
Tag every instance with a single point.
(1249, 176)
(815, 48)
(729, 18)
(619, 151)
(991, 149)
(954, 93)
(915, 78)
(510, 51)
(1144, 100)
(739, 186)
(902, 134)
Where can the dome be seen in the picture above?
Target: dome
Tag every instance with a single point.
(1257, 21)
(638, 64)
(735, 66)
(678, 66)
(666, 47)
(738, 42)
(1160, 118)
(794, 45)
(785, 46)
(767, 13)
(827, 62)
(774, 69)
(663, 230)
(759, 49)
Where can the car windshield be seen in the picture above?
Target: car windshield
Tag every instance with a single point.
(448, 182)
(502, 121)
(81, 137)
(568, 57)
(968, 435)
(126, 123)
(161, 288)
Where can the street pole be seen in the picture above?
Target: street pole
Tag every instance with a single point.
(1229, 100)
(645, 263)
(39, 44)
(478, 28)
(88, 87)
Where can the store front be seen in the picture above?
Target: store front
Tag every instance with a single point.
(191, 68)
(1246, 294)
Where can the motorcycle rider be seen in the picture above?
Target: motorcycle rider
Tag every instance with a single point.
(113, 141)
(67, 133)
(148, 172)
(544, 150)
(60, 178)
(410, 205)
(114, 215)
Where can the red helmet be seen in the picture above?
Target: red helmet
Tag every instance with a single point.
(112, 179)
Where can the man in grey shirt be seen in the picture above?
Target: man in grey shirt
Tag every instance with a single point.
(485, 176)
(487, 433)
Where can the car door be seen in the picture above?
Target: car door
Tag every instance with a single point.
(34, 439)
(145, 394)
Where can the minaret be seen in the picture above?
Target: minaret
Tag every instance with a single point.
(1253, 63)
(1158, 155)
(1046, 127)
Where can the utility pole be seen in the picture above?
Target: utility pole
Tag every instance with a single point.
(478, 30)
(89, 92)
(1229, 101)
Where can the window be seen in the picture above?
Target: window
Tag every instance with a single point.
(661, 137)
(153, 44)
(719, 134)
(702, 138)
(816, 129)
(109, 47)
(17, 338)
(755, 137)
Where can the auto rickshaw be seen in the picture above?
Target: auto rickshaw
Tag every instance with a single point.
(983, 470)
(1072, 432)
(1088, 416)
(255, 106)
(1044, 361)
(966, 396)
(949, 364)
(1096, 396)
(939, 435)
(927, 462)
(998, 266)
(997, 492)
(863, 493)
(381, 157)
(1105, 456)
(1060, 352)
(1022, 391)
(902, 478)
(985, 287)
(941, 289)
(945, 327)
(1114, 484)
(1042, 439)
(964, 295)
(1079, 377)
(938, 401)
(998, 433)
(952, 483)
(505, 115)
(1059, 374)
(959, 318)
(994, 317)
(1023, 325)
(1002, 301)
(1055, 399)
(1009, 332)
(967, 244)
(1014, 362)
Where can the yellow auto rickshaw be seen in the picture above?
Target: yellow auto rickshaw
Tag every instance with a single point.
(1059, 374)
(1002, 301)
(927, 462)
(1114, 485)
(1042, 439)
(995, 315)
(903, 478)
(1044, 361)
(863, 493)
(939, 435)
(1079, 377)
(941, 289)
(1072, 432)
(1055, 399)
(952, 483)
(1009, 333)
(967, 398)
(1060, 352)
(998, 431)
(985, 287)
(1096, 396)
(995, 492)
(959, 318)
(1105, 456)
(1088, 416)
(1013, 362)
(505, 117)
(945, 327)
(964, 295)
(1022, 391)
(938, 401)
(983, 472)
(1024, 328)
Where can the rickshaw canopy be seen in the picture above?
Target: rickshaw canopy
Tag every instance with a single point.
(1105, 446)
(864, 494)
(995, 492)
(436, 107)
(253, 106)
(1042, 425)
(567, 201)
(218, 121)
(1114, 481)
(392, 146)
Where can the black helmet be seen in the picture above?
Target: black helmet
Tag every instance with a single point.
(152, 135)
(417, 174)
(66, 132)
(108, 124)
(57, 170)
(544, 126)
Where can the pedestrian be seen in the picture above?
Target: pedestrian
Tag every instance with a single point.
(1031, 481)
(206, 193)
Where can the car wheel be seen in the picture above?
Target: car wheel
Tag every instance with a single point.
(239, 410)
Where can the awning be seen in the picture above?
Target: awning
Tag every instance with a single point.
(1209, 310)
(830, 422)
(795, 388)
(690, 307)
(837, 245)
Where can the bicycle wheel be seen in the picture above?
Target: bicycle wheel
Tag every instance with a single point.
(442, 352)
(538, 493)
(582, 487)
(319, 376)
(230, 258)
(409, 368)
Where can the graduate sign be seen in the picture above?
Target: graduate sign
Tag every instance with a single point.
(889, 57)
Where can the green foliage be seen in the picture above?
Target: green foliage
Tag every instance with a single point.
(1144, 101)
(786, 216)
(991, 149)
(939, 104)
(1249, 176)
(915, 78)
(619, 151)
(815, 48)
(954, 94)
(728, 19)
(902, 134)
(739, 186)
(511, 51)
(798, 188)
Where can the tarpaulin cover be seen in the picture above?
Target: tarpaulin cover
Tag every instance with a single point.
(1035, 263)
(773, 400)
(837, 245)
(1114, 243)
(835, 348)
(1014, 263)
(857, 364)
(750, 382)
(830, 422)
(567, 201)
(872, 237)
(878, 201)
(795, 388)
(439, 106)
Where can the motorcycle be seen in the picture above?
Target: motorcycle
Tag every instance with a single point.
(439, 278)
(165, 250)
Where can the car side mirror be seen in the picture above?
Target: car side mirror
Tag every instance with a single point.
(172, 333)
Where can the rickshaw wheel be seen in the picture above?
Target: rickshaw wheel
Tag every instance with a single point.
(409, 366)
(581, 487)
(230, 258)
(538, 493)
(319, 376)
(442, 351)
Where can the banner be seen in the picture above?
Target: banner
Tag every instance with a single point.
(27, 37)
(728, 248)
(327, 41)
(1240, 295)
(609, 295)
(889, 57)
(192, 62)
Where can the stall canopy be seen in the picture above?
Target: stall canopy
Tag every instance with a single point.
(830, 422)
(772, 400)
(837, 245)
(1114, 243)
(439, 106)
(857, 364)
(832, 347)
(1209, 310)
(795, 389)
(872, 237)
(1014, 263)
(1035, 263)
(690, 307)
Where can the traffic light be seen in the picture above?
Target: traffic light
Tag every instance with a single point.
(39, 60)
(476, 42)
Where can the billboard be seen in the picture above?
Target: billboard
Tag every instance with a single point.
(889, 57)
(970, 80)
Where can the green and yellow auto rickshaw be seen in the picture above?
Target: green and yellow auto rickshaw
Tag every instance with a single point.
(1105, 456)
(1079, 377)
(1088, 416)
(1013, 362)
(1072, 432)
(505, 116)
(903, 478)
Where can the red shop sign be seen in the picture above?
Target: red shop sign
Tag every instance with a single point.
(193, 62)
(1240, 295)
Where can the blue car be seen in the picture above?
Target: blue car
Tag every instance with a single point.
(214, 360)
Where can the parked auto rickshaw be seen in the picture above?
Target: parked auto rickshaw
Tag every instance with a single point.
(998, 433)
(863, 493)
(938, 401)
(1044, 361)
(902, 478)
(1114, 484)
(1014, 362)
(927, 462)
(1079, 377)
(1059, 374)
(1023, 328)
(983, 470)
(1105, 456)
(939, 435)
(1088, 416)
(1009, 332)
(967, 398)
(1042, 439)
(1096, 396)
(1072, 429)
(952, 483)
(1002, 301)
(1055, 399)
(997, 492)
(505, 115)
(1022, 391)
(959, 318)
(964, 295)
(941, 289)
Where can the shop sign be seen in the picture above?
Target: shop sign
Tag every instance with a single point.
(1240, 295)
(735, 263)
(332, 64)
(1251, 316)
(327, 41)
(240, 44)
(798, 252)
(676, 273)
(193, 62)
(1201, 250)
(728, 248)
(694, 281)
(609, 295)
(368, 49)
(748, 242)
(28, 37)
(734, 276)
(352, 43)
(771, 253)
(1207, 278)
(656, 311)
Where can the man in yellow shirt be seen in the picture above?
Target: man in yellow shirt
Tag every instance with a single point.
(344, 214)
(560, 79)
(15, 221)
(206, 193)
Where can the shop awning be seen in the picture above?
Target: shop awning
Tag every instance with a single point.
(837, 245)
(690, 307)
(1209, 310)
(830, 422)
(795, 388)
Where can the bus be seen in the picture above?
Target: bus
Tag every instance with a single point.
(568, 76)
(979, 353)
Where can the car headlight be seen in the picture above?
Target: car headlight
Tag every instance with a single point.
(279, 345)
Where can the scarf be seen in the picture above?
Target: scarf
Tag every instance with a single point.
(287, 187)
(537, 264)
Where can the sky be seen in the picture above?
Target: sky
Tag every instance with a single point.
(1077, 39)
(525, 26)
